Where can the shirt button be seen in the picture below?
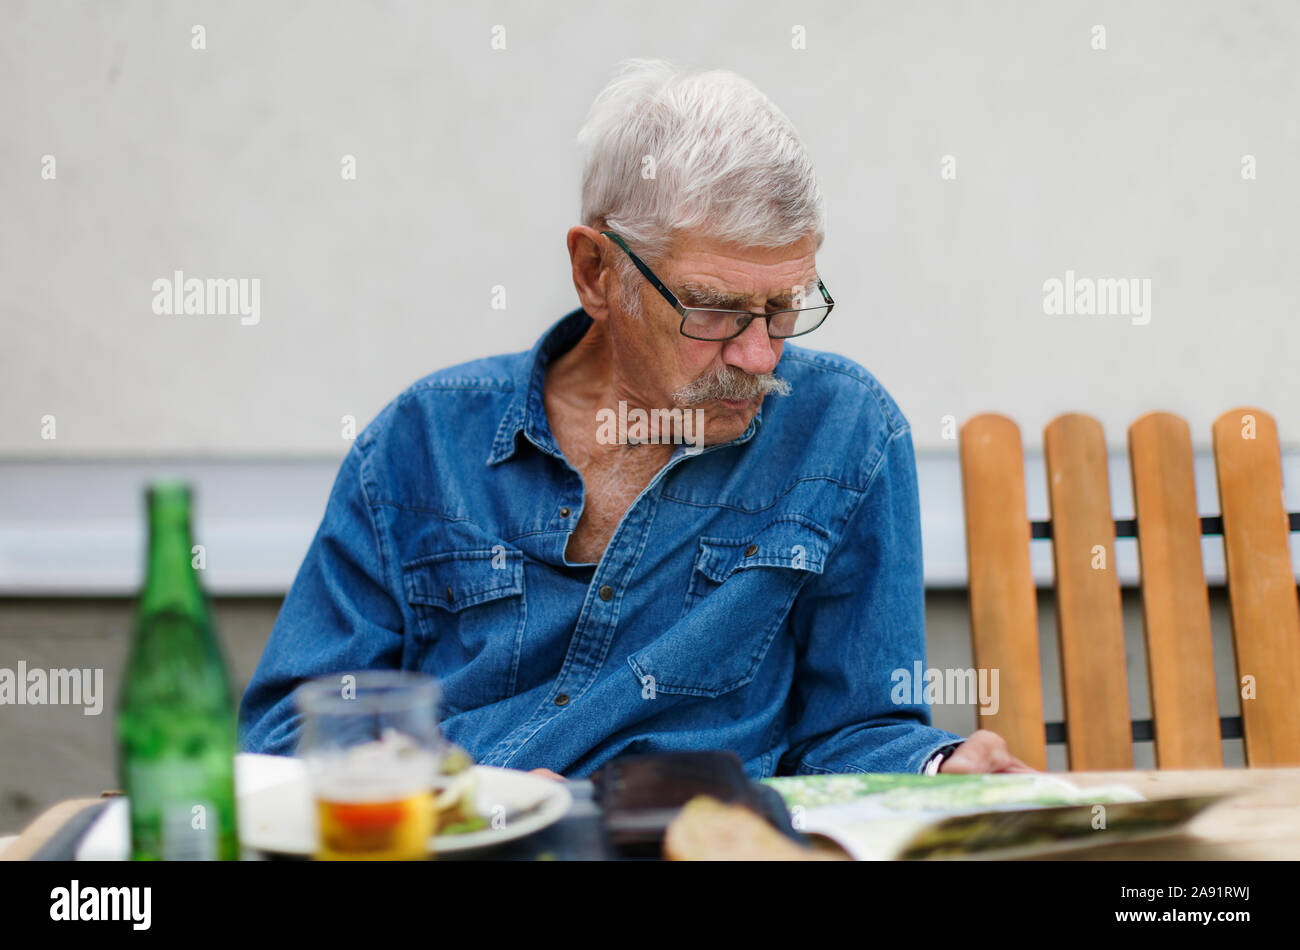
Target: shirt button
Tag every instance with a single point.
(607, 593)
(564, 512)
(450, 598)
(562, 699)
(751, 550)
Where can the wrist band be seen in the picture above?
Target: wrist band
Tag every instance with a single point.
(936, 760)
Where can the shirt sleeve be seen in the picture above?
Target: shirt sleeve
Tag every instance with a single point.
(857, 623)
(338, 616)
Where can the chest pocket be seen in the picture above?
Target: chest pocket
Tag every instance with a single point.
(469, 619)
(740, 592)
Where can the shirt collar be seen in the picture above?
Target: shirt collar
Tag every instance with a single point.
(526, 412)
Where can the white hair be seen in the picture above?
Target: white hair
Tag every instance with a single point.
(727, 165)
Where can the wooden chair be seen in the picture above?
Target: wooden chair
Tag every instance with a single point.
(1265, 611)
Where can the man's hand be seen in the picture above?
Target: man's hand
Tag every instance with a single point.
(984, 751)
(547, 773)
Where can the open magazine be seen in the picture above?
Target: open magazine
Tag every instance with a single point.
(903, 817)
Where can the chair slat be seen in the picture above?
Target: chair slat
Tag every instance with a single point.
(1004, 609)
(1261, 584)
(1089, 616)
(1175, 601)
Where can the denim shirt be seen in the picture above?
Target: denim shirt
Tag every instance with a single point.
(756, 596)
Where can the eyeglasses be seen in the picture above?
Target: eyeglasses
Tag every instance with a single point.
(714, 325)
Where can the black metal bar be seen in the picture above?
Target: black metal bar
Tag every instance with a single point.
(1127, 527)
(1144, 730)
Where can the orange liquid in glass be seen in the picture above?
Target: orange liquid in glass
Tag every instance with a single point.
(375, 831)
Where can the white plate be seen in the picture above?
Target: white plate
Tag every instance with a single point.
(281, 818)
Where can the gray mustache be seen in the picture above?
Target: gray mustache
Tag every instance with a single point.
(730, 383)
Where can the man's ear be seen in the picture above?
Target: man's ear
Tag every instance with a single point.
(595, 282)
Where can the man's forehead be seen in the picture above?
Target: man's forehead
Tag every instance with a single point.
(712, 294)
(717, 275)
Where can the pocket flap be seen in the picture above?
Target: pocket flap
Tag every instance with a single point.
(728, 629)
(460, 579)
(790, 544)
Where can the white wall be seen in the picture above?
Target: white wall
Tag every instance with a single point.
(225, 163)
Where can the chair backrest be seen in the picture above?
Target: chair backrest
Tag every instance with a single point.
(1265, 610)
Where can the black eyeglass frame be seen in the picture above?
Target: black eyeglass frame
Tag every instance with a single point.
(685, 312)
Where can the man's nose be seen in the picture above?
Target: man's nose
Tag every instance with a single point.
(753, 351)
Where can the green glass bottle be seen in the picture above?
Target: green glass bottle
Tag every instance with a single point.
(177, 729)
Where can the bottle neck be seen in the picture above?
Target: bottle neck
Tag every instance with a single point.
(170, 580)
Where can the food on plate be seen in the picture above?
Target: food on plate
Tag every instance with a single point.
(709, 830)
(454, 760)
(455, 807)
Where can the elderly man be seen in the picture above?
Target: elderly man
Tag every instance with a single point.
(734, 564)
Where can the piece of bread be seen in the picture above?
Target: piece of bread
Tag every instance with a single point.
(709, 830)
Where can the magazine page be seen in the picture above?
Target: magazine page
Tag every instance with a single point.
(886, 816)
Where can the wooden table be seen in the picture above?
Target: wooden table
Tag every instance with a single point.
(1260, 823)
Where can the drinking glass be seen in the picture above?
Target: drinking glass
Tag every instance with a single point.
(371, 744)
